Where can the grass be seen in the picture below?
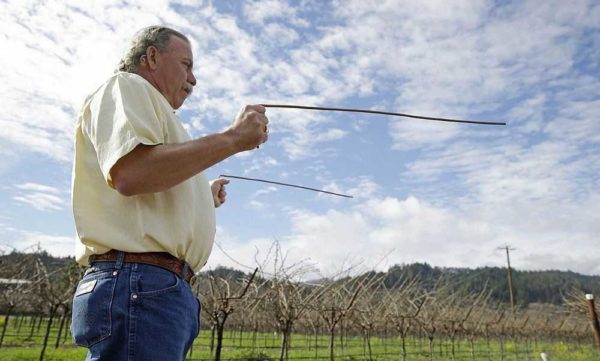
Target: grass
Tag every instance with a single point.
(25, 344)
(23, 354)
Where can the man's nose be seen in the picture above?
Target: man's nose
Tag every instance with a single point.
(192, 79)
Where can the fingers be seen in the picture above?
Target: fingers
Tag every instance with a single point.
(255, 107)
(222, 181)
(260, 110)
(220, 187)
(222, 195)
(265, 121)
(218, 191)
(218, 183)
(251, 127)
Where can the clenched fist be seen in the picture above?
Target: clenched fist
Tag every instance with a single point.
(250, 127)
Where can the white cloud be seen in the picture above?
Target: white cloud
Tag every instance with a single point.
(41, 197)
(27, 241)
(264, 191)
(460, 58)
(259, 11)
(256, 205)
(411, 230)
(281, 35)
(360, 188)
(577, 122)
(256, 201)
(232, 66)
(38, 187)
(449, 58)
(261, 164)
(302, 144)
(53, 67)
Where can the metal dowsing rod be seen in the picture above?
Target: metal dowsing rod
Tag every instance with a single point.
(285, 184)
(307, 107)
(292, 106)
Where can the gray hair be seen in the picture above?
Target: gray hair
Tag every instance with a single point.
(157, 36)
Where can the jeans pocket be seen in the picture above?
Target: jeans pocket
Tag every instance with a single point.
(92, 303)
(155, 281)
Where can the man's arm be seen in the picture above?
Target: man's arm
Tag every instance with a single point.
(156, 168)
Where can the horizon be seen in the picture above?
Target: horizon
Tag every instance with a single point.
(361, 272)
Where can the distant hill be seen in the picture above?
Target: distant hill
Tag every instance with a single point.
(26, 263)
(529, 286)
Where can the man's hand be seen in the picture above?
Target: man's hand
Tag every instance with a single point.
(250, 127)
(219, 194)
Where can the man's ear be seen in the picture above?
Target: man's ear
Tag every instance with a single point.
(151, 57)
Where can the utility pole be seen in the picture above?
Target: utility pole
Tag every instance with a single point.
(510, 287)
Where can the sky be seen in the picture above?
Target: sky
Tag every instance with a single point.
(446, 194)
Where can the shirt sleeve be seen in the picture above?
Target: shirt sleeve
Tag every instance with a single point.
(123, 115)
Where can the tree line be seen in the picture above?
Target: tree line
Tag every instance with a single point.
(548, 286)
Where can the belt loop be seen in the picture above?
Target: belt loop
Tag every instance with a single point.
(184, 270)
(120, 258)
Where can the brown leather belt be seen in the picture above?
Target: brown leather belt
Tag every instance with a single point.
(160, 259)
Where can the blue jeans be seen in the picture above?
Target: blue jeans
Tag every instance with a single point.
(133, 311)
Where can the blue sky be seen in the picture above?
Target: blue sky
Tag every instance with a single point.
(445, 194)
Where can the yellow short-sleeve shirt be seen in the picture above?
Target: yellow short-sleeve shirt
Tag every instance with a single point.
(124, 112)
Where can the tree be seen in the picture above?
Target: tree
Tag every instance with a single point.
(334, 305)
(219, 301)
(56, 288)
(15, 288)
(405, 302)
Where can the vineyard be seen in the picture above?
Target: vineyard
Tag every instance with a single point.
(270, 315)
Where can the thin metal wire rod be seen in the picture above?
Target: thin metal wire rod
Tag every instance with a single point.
(285, 184)
(291, 106)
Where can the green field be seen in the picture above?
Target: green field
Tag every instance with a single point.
(24, 339)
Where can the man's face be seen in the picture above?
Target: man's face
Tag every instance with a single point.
(173, 73)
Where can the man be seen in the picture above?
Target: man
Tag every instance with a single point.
(143, 210)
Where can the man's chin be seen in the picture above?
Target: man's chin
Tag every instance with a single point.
(178, 104)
